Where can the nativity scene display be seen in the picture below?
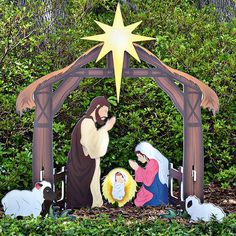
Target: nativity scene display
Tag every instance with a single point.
(148, 182)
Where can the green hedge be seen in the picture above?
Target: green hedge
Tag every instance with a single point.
(102, 225)
(187, 38)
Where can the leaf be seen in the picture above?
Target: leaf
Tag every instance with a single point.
(72, 217)
(184, 214)
(115, 204)
(66, 212)
(170, 215)
(51, 213)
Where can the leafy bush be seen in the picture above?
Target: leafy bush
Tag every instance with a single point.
(187, 38)
(102, 225)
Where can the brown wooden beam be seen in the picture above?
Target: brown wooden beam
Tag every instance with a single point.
(103, 73)
(175, 94)
(109, 73)
(193, 162)
(109, 61)
(151, 59)
(61, 93)
(70, 84)
(82, 61)
(42, 137)
(126, 61)
(144, 55)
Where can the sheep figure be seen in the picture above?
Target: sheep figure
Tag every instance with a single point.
(26, 203)
(204, 211)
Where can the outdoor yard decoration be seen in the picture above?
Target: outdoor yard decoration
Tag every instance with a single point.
(88, 144)
(117, 44)
(119, 186)
(155, 176)
(25, 202)
(205, 211)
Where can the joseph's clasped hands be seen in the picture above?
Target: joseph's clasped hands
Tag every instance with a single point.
(110, 123)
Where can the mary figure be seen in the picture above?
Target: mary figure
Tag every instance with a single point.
(155, 176)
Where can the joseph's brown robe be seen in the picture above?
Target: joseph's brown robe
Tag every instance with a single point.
(88, 144)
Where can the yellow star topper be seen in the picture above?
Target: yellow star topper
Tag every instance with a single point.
(118, 39)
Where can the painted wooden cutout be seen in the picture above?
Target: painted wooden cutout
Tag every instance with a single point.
(119, 186)
(154, 177)
(25, 202)
(88, 145)
(205, 211)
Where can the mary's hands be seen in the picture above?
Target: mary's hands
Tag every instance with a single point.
(133, 164)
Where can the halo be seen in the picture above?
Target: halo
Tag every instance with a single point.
(130, 186)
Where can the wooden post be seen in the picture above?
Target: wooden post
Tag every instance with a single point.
(109, 61)
(193, 163)
(43, 137)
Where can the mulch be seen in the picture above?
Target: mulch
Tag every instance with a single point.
(226, 199)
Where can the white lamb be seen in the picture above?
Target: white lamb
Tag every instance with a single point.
(204, 211)
(26, 203)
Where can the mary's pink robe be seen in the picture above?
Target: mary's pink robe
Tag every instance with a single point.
(146, 176)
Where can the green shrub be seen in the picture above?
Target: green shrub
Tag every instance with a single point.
(102, 225)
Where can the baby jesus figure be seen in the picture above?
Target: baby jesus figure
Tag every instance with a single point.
(118, 187)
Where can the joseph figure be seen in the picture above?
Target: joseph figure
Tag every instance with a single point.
(88, 145)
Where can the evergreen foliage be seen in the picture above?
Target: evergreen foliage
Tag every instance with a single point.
(102, 225)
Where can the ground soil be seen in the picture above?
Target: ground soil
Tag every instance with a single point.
(226, 199)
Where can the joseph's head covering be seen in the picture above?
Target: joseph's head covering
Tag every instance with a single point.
(97, 101)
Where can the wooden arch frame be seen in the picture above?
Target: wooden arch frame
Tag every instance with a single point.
(188, 102)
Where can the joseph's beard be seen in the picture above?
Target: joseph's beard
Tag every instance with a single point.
(99, 120)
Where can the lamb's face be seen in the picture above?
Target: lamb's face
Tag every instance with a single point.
(45, 188)
(191, 203)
